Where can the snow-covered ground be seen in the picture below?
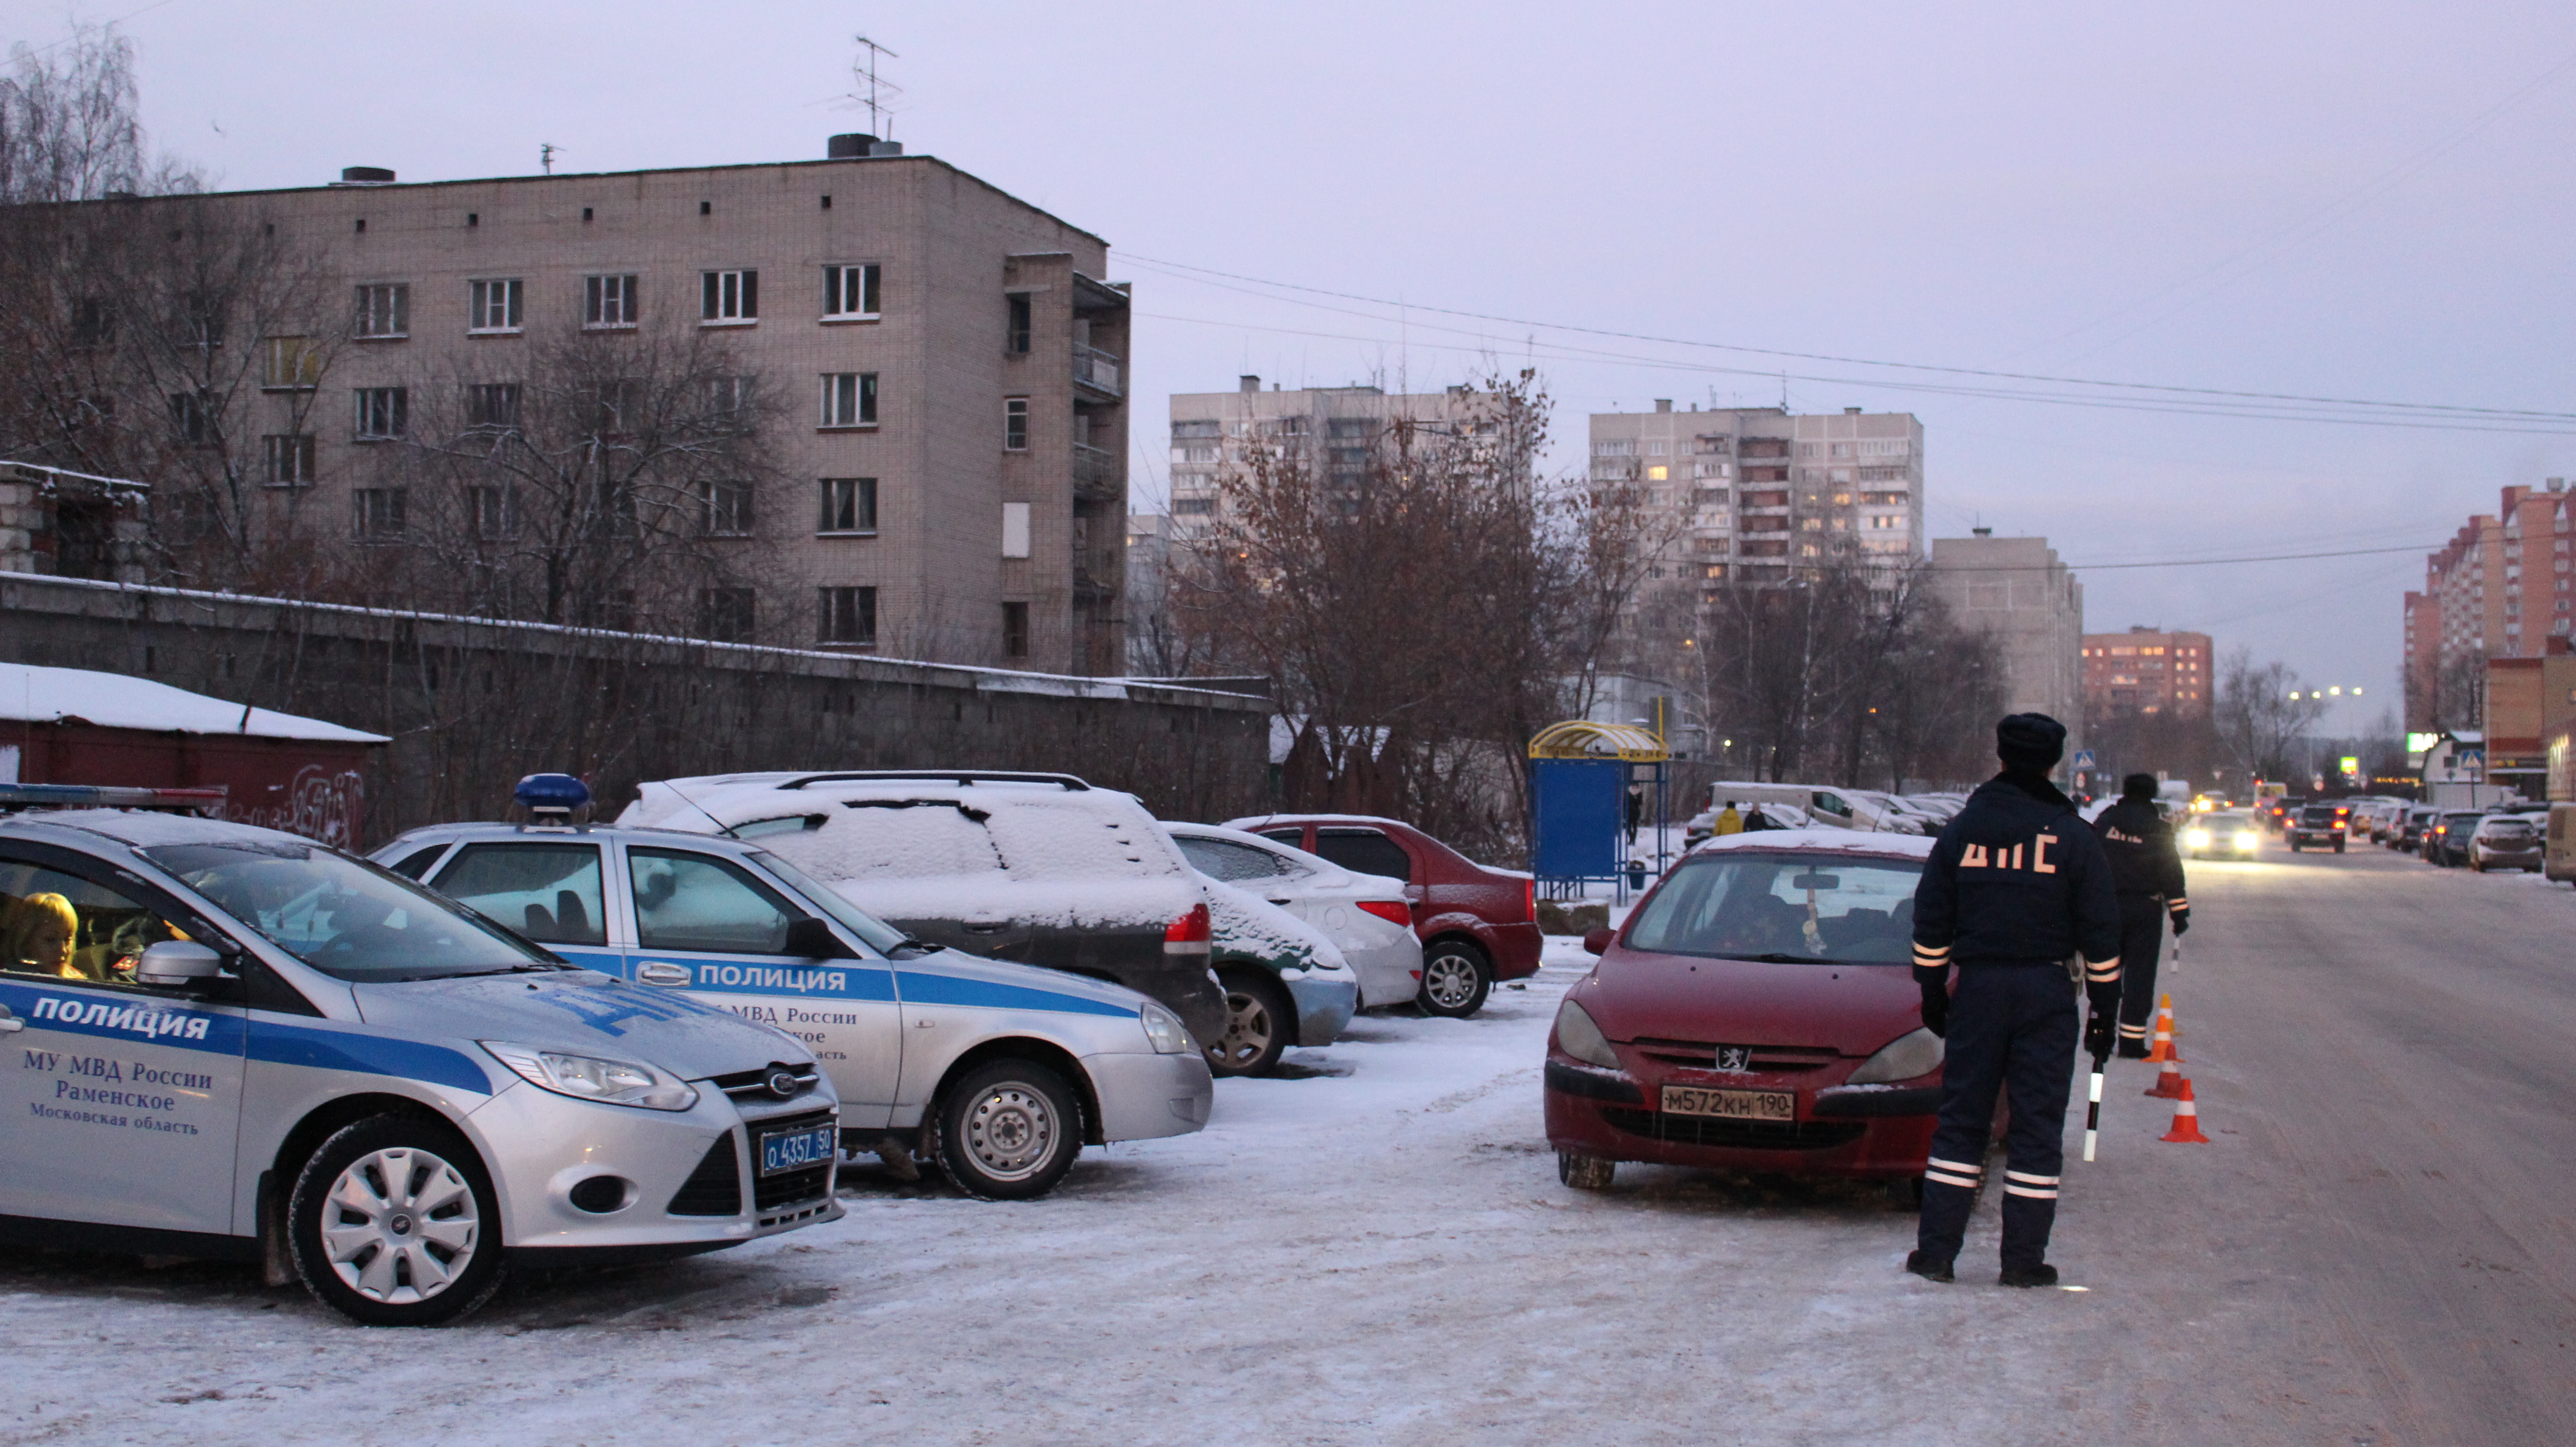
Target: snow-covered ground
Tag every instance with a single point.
(1375, 1250)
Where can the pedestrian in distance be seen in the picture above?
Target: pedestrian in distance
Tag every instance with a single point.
(2146, 873)
(1636, 811)
(1727, 822)
(2016, 888)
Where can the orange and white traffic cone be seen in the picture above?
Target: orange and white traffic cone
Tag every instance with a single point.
(2169, 1082)
(2163, 1047)
(2186, 1125)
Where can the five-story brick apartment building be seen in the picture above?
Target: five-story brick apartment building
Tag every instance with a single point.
(946, 472)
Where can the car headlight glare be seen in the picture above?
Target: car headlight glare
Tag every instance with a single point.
(589, 1077)
(1577, 1036)
(1917, 1052)
(2197, 839)
(2245, 840)
(1165, 1032)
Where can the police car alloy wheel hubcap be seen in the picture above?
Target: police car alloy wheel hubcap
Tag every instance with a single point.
(399, 1225)
(1450, 980)
(1010, 1131)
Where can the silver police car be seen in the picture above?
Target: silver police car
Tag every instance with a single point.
(232, 1042)
(1000, 1072)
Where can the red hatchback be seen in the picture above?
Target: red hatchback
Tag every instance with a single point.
(1477, 924)
(1757, 1011)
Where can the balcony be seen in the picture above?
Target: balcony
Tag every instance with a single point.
(1096, 472)
(1097, 370)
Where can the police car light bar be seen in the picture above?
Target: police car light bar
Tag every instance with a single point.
(551, 796)
(109, 796)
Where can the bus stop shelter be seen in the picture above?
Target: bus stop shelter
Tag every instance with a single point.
(1580, 772)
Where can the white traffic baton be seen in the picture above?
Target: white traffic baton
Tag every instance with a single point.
(2093, 1106)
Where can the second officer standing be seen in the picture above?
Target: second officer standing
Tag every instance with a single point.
(2146, 870)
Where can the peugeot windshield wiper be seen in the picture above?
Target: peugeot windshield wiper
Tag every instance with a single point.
(1776, 958)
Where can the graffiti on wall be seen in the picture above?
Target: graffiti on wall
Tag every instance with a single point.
(320, 804)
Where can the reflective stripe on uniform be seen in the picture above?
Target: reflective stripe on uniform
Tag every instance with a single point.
(1953, 1173)
(2102, 972)
(2134, 1032)
(2035, 1193)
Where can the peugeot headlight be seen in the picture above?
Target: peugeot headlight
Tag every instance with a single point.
(1164, 1030)
(1577, 1036)
(2245, 840)
(589, 1077)
(2197, 839)
(1917, 1052)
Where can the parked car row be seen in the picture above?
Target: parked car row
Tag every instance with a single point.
(502, 1044)
(1799, 806)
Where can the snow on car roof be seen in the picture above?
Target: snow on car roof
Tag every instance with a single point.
(33, 694)
(1823, 840)
(929, 848)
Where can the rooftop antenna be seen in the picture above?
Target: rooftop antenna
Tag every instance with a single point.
(879, 91)
(546, 155)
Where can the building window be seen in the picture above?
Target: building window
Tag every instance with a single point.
(291, 364)
(1017, 339)
(1015, 530)
(845, 615)
(729, 296)
(1015, 630)
(850, 291)
(609, 301)
(1657, 473)
(725, 614)
(383, 413)
(849, 505)
(384, 310)
(492, 404)
(1015, 424)
(192, 418)
(849, 399)
(379, 511)
(728, 508)
(290, 459)
(1193, 506)
(493, 306)
(487, 512)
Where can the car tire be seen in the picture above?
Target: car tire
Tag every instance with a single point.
(2294, 846)
(2338, 849)
(1259, 1018)
(1008, 1130)
(393, 1222)
(1456, 978)
(1585, 1173)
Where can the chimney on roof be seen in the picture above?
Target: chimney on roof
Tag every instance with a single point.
(1851, 411)
(2557, 484)
(858, 146)
(364, 176)
(1983, 532)
(1663, 404)
(1250, 382)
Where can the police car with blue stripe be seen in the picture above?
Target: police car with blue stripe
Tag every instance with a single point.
(1000, 1072)
(230, 1042)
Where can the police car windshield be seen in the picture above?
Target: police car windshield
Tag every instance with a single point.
(884, 938)
(348, 919)
(1748, 905)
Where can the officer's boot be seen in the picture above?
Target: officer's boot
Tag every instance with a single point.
(1944, 1222)
(2027, 1220)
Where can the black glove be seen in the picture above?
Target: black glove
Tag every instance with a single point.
(1936, 1006)
(2181, 921)
(2098, 1033)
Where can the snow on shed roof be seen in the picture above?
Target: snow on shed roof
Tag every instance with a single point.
(30, 694)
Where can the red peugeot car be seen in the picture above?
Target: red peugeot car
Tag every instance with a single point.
(1477, 924)
(1757, 1011)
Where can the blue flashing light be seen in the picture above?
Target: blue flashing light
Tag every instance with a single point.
(551, 793)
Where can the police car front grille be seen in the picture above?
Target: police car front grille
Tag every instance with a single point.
(754, 1084)
(715, 1187)
(1695, 1130)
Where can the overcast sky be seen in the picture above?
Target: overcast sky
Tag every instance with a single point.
(2342, 200)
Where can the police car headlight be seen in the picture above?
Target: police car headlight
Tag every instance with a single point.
(2197, 839)
(588, 1077)
(1577, 1036)
(1915, 1053)
(1165, 1032)
(2245, 840)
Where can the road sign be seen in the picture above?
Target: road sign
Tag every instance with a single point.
(2084, 759)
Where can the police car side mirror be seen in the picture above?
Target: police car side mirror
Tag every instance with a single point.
(176, 962)
(811, 939)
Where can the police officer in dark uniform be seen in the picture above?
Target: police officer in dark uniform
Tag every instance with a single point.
(2016, 887)
(2146, 871)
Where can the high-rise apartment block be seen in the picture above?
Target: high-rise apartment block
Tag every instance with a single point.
(2498, 589)
(2148, 671)
(1337, 427)
(2016, 591)
(949, 479)
(1747, 493)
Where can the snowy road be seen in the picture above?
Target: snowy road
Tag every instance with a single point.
(1379, 1251)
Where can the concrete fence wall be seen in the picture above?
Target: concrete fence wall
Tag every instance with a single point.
(472, 704)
